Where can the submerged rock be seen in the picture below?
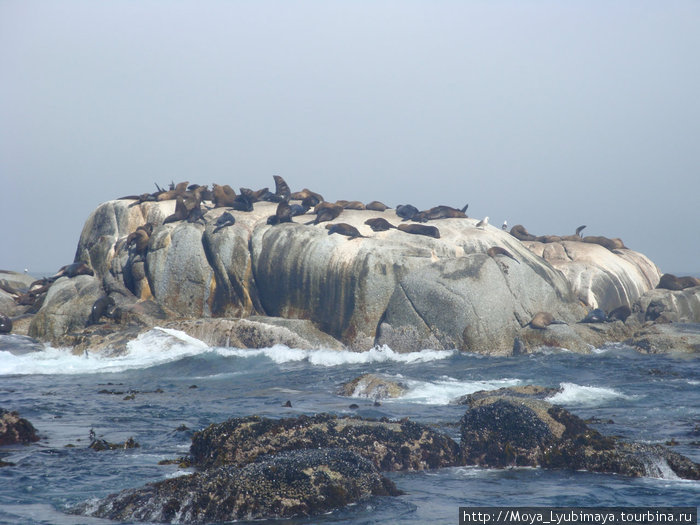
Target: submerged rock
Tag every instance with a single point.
(296, 483)
(390, 445)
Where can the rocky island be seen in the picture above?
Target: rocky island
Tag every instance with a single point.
(252, 269)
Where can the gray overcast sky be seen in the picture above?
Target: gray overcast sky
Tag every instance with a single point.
(546, 113)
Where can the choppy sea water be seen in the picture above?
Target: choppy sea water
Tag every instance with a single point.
(169, 381)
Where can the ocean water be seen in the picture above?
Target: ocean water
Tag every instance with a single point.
(168, 385)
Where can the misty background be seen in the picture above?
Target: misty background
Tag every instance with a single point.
(545, 113)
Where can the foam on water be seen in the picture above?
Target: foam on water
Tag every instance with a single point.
(152, 348)
(165, 345)
(446, 390)
(281, 354)
(573, 394)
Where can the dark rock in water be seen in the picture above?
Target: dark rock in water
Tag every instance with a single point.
(293, 484)
(500, 431)
(5, 324)
(15, 429)
(390, 445)
(525, 391)
(102, 444)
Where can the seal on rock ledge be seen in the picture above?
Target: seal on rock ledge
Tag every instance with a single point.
(542, 320)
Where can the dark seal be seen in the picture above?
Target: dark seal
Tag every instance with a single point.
(344, 229)
(5, 324)
(104, 306)
(420, 229)
(379, 224)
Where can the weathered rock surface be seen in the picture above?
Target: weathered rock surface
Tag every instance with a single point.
(372, 386)
(601, 278)
(664, 338)
(409, 292)
(258, 332)
(15, 429)
(389, 445)
(501, 431)
(291, 484)
(666, 306)
(524, 391)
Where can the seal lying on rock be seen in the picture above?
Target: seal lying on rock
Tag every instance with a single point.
(597, 315)
(669, 281)
(379, 224)
(344, 229)
(420, 229)
(542, 320)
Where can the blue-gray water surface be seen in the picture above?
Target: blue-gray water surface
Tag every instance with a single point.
(170, 385)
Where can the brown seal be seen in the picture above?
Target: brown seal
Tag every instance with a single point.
(376, 206)
(307, 194)
(282, 190)
(605, 242)
(223, 196)
(72, 270)
(441, 212)
(621, 313)
(138, 240)
(344, 229)
(542, 320)
(174, 192)
(283, 214)
(351, 205)
(669, 281)
(326, 213)
(420, 229)
(379, 225)
(519, 232)
(497, 250)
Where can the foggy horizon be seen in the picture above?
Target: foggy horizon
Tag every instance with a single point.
(543, 114)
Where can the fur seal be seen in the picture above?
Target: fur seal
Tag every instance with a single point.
(482, 223)
(181, 211)
(343, 229)
(497, 250)
(596, 315)
(283, 214)
(379, 225)
(5, 324)
(138, 240)
(298, 209)
(351, 205)
(406, 211)
(103, 306)
(578, 231)
(307, 194)
(519, 232)
(440, 212)
(326, 211)
(243, 202)
(669, 281)
(282, 190)
(223, 196)
(376, 206)
(174, 192)
(72, 270)
(225, 219)
(542, 320)
(605, 242)
(548, 238)
(621, 313)
(420, 229)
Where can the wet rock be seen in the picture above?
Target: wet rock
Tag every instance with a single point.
(297, 483)
(258, 332)
(15, 429)
(501, 431)
(525, 391)
(372, 386)
(665, 338)
(390, 445)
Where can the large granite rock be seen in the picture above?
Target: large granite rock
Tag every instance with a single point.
(293, 484)
(407, 291)
(600, 277)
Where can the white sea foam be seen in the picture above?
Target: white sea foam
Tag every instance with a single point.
(152, 348)
(573, 394)
(443, 391)
(163, 345)
(281, 354)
